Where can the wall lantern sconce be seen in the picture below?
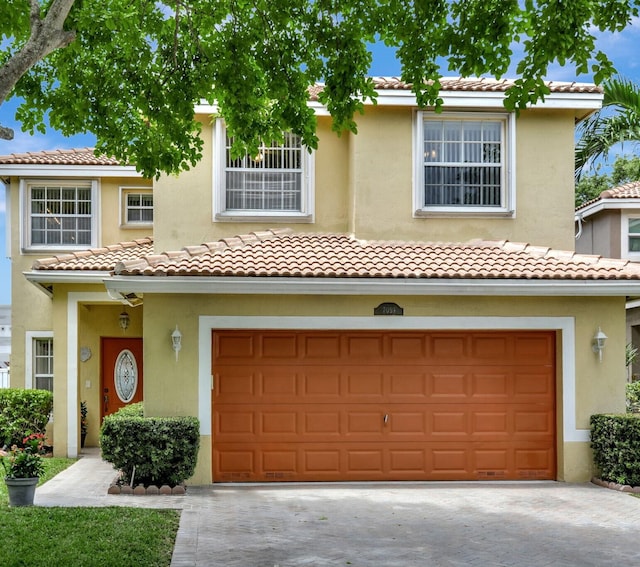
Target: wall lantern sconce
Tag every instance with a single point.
(597, 343)
(176, 341)
(124, 321)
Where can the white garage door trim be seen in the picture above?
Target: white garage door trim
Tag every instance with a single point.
(566, 325)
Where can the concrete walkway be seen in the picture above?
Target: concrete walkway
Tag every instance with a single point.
(380, 525)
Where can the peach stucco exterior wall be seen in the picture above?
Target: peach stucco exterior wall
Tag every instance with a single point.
(171, 387)
(364, 185)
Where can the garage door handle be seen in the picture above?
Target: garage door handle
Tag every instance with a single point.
(386, 417)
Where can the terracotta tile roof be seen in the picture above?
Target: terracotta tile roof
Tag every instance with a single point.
(97, 259)
(282, 253)
(80, 156)
(629, 190)
(472, 85)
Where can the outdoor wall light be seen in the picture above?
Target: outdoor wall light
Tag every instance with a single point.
(176, 341)
(597, 343)
(124, 321)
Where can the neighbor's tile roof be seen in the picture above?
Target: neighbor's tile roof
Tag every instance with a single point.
(80, 156)
(472, 85)
(97, 259)
(281, 253)
(626, 191)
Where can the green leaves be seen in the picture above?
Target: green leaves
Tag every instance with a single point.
(137, 68)
(615, 440)
(604, 129)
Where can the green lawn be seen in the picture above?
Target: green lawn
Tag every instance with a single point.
(103, 537)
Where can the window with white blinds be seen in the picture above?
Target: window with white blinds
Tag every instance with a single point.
(463, 163)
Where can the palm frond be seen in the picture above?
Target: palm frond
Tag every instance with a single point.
(603, 130)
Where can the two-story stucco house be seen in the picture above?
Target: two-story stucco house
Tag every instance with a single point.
(400, 304)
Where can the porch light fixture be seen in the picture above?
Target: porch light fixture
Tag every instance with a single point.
(597, 343)
(124, 321)
(176, 341)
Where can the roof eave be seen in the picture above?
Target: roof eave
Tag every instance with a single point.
(585, 102)
(607, 204)
(67, 276)
(370, 286)
(50, 170)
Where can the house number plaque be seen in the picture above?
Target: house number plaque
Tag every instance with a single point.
(388, 309)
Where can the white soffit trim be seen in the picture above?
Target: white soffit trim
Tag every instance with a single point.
(607, 204)
(566, 325)
(70, 276)
(361, 286)
(86, 171)
(459, 99)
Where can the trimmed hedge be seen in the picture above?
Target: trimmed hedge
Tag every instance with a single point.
(633, 397)
(22, 413)
(615, 440)
(164, 450)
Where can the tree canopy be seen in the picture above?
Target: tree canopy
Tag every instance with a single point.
(130, 71)
(624, 170)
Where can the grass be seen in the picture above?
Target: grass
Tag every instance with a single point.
(104, 537)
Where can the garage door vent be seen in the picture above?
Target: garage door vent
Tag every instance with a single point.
(278, 475)
(492, 475)
(532, 475)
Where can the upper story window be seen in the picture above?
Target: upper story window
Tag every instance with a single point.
(630, 236)
(136, 207)
(60, 215)
(276, 184)
(464, 164)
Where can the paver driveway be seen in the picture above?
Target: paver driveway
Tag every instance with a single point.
(422, 524)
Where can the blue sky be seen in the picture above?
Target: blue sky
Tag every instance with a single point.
(622, 49)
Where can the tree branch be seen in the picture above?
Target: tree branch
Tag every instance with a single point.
(46, 35)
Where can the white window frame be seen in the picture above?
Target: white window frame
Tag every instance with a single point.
(25, 213)
(508, 185)
(30, 338)
(125, 191)
(220, 212)
(624, 235)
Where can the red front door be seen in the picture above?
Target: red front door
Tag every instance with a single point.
(121, 373)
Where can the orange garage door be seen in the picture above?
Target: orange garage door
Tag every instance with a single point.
(381, 405)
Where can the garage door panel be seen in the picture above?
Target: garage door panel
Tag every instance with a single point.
(449, 424)
(235, 424)
(368, 461)
(409, 385)
(446, 384)
(364, 347)
(321, 347)
(531, 383)
(538, 349)
(363, 424)
(235, 346)
(406, 347)
(374, 405)
(363, 385)
(407, 462)
(278, 346)
(321, 384)
(322, 423)
(490, 385)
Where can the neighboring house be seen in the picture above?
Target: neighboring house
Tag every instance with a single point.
(366, 311)
(5, 344)
(610, 226)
